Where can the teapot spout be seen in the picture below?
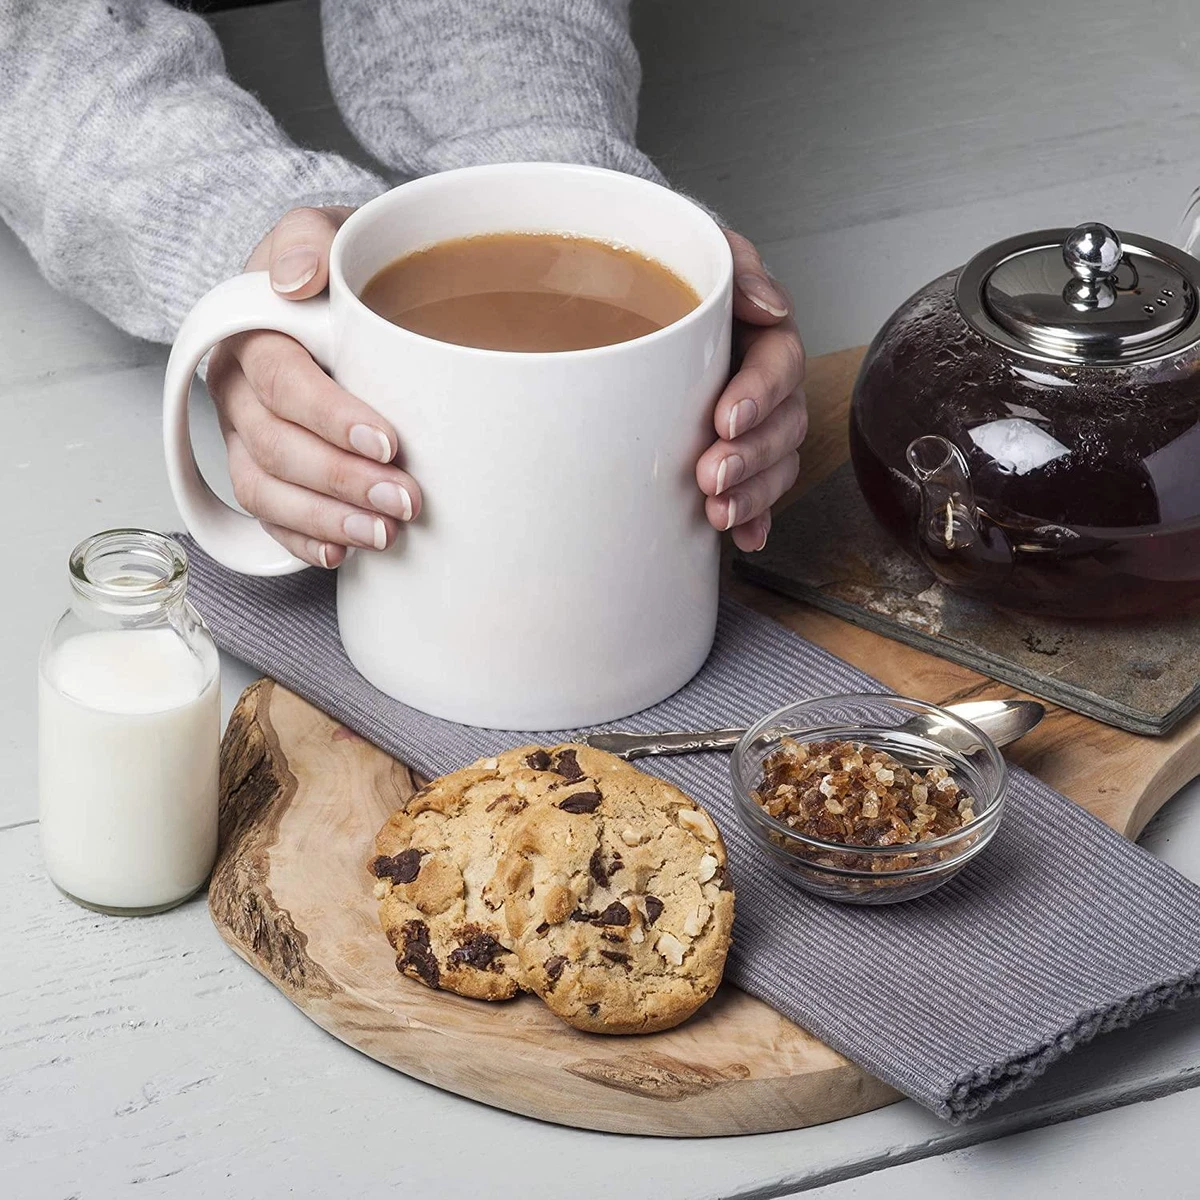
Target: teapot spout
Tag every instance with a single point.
(958, 542)
(949, 515)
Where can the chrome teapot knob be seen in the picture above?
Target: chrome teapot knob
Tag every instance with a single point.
(1092, 251)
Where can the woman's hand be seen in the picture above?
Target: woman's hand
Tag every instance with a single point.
(761, 416)
(310, 461)
(315, 464)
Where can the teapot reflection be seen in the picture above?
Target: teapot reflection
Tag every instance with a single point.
(1030, 425)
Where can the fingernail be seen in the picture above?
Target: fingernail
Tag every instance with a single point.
(371, 442)
(731, 513)
(730, 471)
(365, 530)
(323, 556)
(763, 544)
(293, 269)
(758, 290)
(392, 499)
(743, 417)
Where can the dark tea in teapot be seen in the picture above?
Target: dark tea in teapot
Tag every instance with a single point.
(1032, 430)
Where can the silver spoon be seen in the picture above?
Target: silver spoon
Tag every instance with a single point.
(1001, 720)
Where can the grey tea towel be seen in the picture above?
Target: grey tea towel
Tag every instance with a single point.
(1059, 931)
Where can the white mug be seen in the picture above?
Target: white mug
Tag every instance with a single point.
(561, 572)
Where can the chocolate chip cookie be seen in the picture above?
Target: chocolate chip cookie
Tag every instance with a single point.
(617, 900)
(434, 860)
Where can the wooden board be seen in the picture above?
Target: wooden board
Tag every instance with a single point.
(302, 798)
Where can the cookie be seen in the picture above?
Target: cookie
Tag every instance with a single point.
(618, 903)
(434, 859)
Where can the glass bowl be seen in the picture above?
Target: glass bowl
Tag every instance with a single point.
(918, 735)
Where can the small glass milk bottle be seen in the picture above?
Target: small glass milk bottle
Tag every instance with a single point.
(129, 725)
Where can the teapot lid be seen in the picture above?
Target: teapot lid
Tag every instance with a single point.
(1083, 295)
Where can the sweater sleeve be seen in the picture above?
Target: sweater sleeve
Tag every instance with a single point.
(427, 85)
(134, 170)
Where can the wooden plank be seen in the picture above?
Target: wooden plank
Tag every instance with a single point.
(803, 118)
(143, 1050)
(1119, 1155)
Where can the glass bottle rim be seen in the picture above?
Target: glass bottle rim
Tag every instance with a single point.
(129, 568)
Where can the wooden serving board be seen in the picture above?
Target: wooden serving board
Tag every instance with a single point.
(302, 798)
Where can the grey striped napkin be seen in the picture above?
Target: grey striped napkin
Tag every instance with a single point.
(1061, 930)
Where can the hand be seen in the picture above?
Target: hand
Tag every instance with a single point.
(313, 463)
(761, 417)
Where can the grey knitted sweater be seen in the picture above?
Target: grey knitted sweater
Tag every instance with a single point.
(139, 175)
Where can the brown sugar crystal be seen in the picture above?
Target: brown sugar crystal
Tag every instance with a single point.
(850, 793)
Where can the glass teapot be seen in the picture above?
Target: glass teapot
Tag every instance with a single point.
(1029, 425)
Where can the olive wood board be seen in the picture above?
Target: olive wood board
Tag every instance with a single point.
(301, 800)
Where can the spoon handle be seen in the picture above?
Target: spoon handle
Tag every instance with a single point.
(995, 718)
(645, 745)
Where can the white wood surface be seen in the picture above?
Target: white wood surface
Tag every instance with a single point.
(144, 1050)
(866, 146)
(1137, 1153)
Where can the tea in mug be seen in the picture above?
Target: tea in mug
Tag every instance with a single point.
(531, 292)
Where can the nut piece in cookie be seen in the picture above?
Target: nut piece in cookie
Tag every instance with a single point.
(618, 907)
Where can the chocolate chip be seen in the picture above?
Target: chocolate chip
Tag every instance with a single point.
(539, 760)
(599, 872)
(722, 878)
(615, 956)
(596, 867)
(417, 953)
(580, 802)
(554, 967)
(399, 868)
(568, 766)
(654, 907)
(615, 914)
(593, 1009)
(612, 937)
(479, 950)
(582, 914)
(542, 927)
(498, 800)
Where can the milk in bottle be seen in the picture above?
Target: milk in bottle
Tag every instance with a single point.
(128, 730)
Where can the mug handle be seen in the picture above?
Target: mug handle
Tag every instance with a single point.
(239, 305)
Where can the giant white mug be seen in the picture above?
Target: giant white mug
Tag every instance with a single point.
(561, 572)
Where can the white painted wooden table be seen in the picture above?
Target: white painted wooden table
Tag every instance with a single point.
(866, 146)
